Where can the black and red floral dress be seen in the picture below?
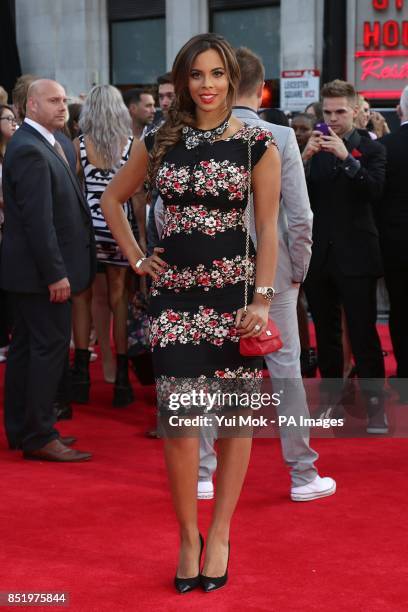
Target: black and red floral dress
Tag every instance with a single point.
(194, 302)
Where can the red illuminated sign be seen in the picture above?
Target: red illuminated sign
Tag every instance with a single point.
(382, 5)
(377, 69)
(389, 34)
(382, 47)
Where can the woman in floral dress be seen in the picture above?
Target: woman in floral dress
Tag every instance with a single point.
(199, 162)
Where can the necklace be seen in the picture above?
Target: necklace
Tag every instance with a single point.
(194, 136)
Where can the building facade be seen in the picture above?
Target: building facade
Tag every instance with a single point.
(131, 42)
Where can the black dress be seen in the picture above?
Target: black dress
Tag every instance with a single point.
(194, 302)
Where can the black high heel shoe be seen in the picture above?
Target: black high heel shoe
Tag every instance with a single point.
(212, 584)
(185, 585)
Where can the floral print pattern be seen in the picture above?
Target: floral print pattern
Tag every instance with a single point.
(223, 272)
(200, 218)
(172, 180)
(172, 327)
(240, 372)
(193, 338)
(225, 391)
(255, 134)
(207, 178)
(211, 177)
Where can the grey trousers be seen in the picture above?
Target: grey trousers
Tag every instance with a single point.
(284, 370)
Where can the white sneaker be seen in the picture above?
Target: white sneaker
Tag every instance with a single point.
(205, 489)
(94, 356)
(319, 487)
(377, 424)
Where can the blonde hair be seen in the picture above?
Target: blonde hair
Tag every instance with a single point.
(3, 96)
(19, 93)
(106, 121)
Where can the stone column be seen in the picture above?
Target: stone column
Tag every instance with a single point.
(65, 41)
(184, 19)
(302, 34)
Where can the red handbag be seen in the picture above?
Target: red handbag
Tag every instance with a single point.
(269, 340)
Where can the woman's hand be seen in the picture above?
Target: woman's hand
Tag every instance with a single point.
(252, 322)
(153, 265)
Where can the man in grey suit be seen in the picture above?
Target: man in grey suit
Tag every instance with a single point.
(295, 231)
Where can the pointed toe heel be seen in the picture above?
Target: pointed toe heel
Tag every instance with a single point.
(210, 583)
(185, 585)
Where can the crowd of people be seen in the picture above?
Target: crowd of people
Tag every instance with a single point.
(110, 204)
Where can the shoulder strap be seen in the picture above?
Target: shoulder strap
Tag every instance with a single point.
(248, 223)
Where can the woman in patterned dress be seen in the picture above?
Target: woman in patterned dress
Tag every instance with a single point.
(102, 148)
(199, 162)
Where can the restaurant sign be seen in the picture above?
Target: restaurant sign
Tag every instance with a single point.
(381, 48)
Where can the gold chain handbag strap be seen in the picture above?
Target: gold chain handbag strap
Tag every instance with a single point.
(247, 223)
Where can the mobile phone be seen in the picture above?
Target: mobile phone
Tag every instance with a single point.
(323, 128)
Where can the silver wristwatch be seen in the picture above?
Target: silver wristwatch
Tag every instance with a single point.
(267, 292)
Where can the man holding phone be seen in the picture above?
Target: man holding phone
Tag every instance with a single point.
(345, 173)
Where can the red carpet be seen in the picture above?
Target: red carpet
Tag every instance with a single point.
(104, 531)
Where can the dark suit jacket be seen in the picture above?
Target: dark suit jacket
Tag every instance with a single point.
(48, 233)
(393, 210)
(343, 207)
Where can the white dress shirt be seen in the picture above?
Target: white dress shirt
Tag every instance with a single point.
(43, 131)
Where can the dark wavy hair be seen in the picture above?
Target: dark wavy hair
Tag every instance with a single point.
(182, 111)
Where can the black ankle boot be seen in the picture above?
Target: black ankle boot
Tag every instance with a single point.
(123, 392)
(80, 380)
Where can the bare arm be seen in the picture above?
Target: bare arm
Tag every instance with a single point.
(266, 190)
(139, 209)
(79, 171)
(122, 187)
(266, 187)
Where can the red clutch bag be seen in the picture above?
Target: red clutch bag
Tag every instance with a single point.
(268, 342)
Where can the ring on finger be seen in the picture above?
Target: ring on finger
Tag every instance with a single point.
(257, 327)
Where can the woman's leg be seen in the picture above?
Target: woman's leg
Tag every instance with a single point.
(182, 460)
(232, 463)
(82, 318)
(118, 302)
(101, 316)
(81, 323)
